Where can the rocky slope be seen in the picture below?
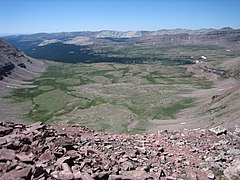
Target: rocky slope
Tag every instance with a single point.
(38, 151)
(15, 65)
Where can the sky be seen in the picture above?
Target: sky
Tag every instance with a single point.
(33, 16)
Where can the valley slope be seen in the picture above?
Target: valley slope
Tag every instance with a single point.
(143, 81)
(15, 69)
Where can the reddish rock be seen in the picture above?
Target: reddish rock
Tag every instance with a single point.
(127, 166)
(35, 126)
(61, 160)
(82, 154)
(46, 157)
(12, 165)
(86, 176)
(5, 130)
(3, 141)
(55, 175)
(122, 177)
(77, 175)
(7, 154)
(73, 154)
(65, 175)
(171, 178)
(191, 175)
(135, 173)
(24, 173)
(25, 158)
(3, 166)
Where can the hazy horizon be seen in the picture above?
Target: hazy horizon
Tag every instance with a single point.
(16, 34)
(29, 17)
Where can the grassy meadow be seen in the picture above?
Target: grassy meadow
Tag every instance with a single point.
(119, 98)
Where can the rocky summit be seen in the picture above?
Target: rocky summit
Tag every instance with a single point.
(39, 151)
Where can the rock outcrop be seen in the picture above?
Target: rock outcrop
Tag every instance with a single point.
(38, 151)
(6, 69)
(15, 64)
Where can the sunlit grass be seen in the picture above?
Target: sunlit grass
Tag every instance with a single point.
(146, 91)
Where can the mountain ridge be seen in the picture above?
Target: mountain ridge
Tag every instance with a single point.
(15, 65)
(116, 33)
(106, 45)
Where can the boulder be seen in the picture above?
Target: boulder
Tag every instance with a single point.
(24, 173)
(61, 160)
(3, 140)
(35, 126)
(46, 156)
(136, 174)
(5, 130)
(127, 165)
(218, 130)
(7, 154)
(25, 158)
(211, 175)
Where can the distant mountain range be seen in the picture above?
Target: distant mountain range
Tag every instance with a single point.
(87, 46)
